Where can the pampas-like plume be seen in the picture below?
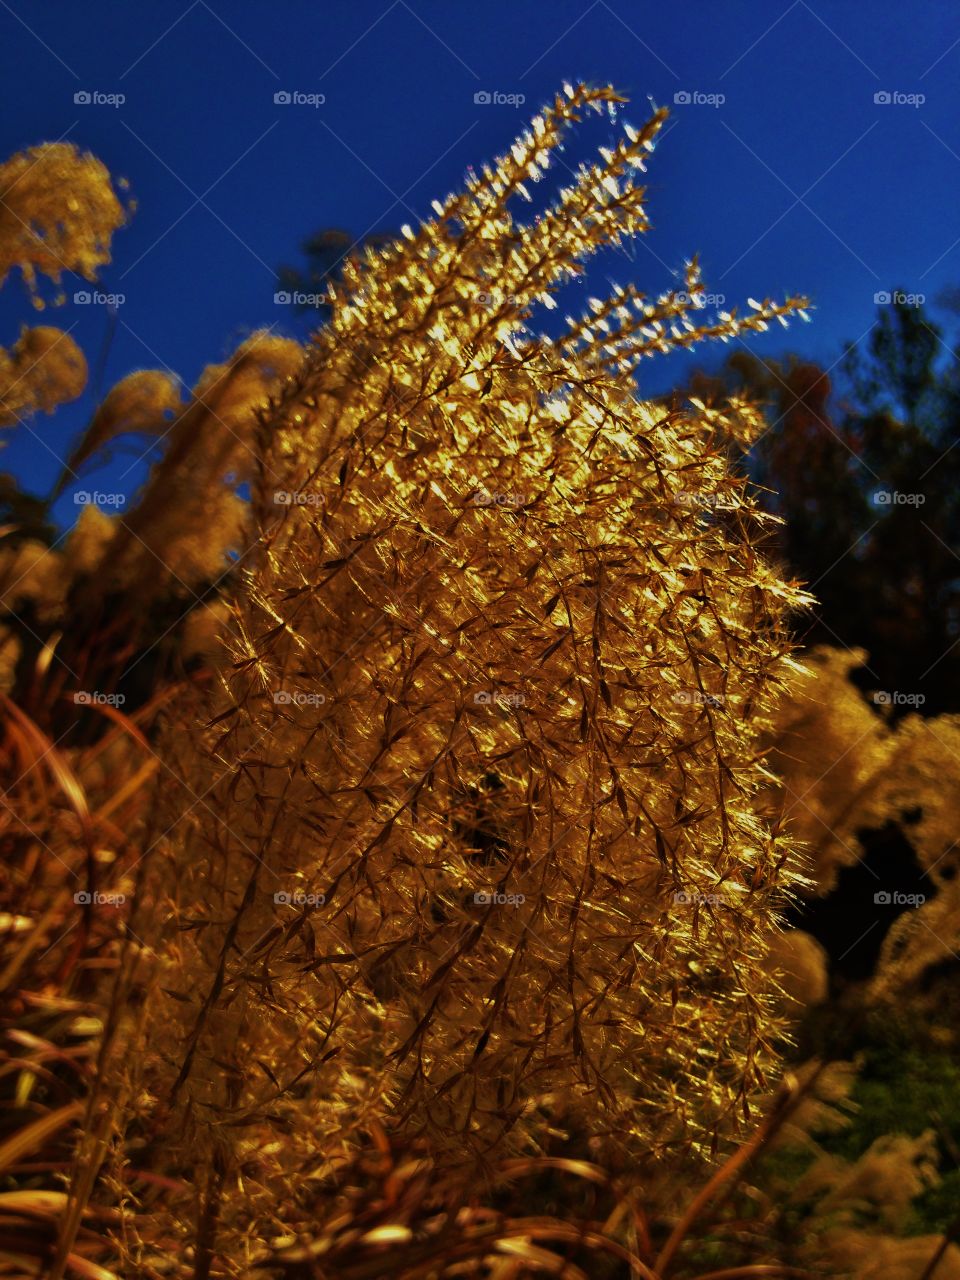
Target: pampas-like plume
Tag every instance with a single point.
(474, 851)
(58, 212)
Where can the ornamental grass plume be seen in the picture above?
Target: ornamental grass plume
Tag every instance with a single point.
(188, 519)
(475, 852)
(889, 774)
(42, 370)
(58, 212)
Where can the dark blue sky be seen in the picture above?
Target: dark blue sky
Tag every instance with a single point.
(798, 181)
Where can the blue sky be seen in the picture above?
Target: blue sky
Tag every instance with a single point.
(797, 181)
